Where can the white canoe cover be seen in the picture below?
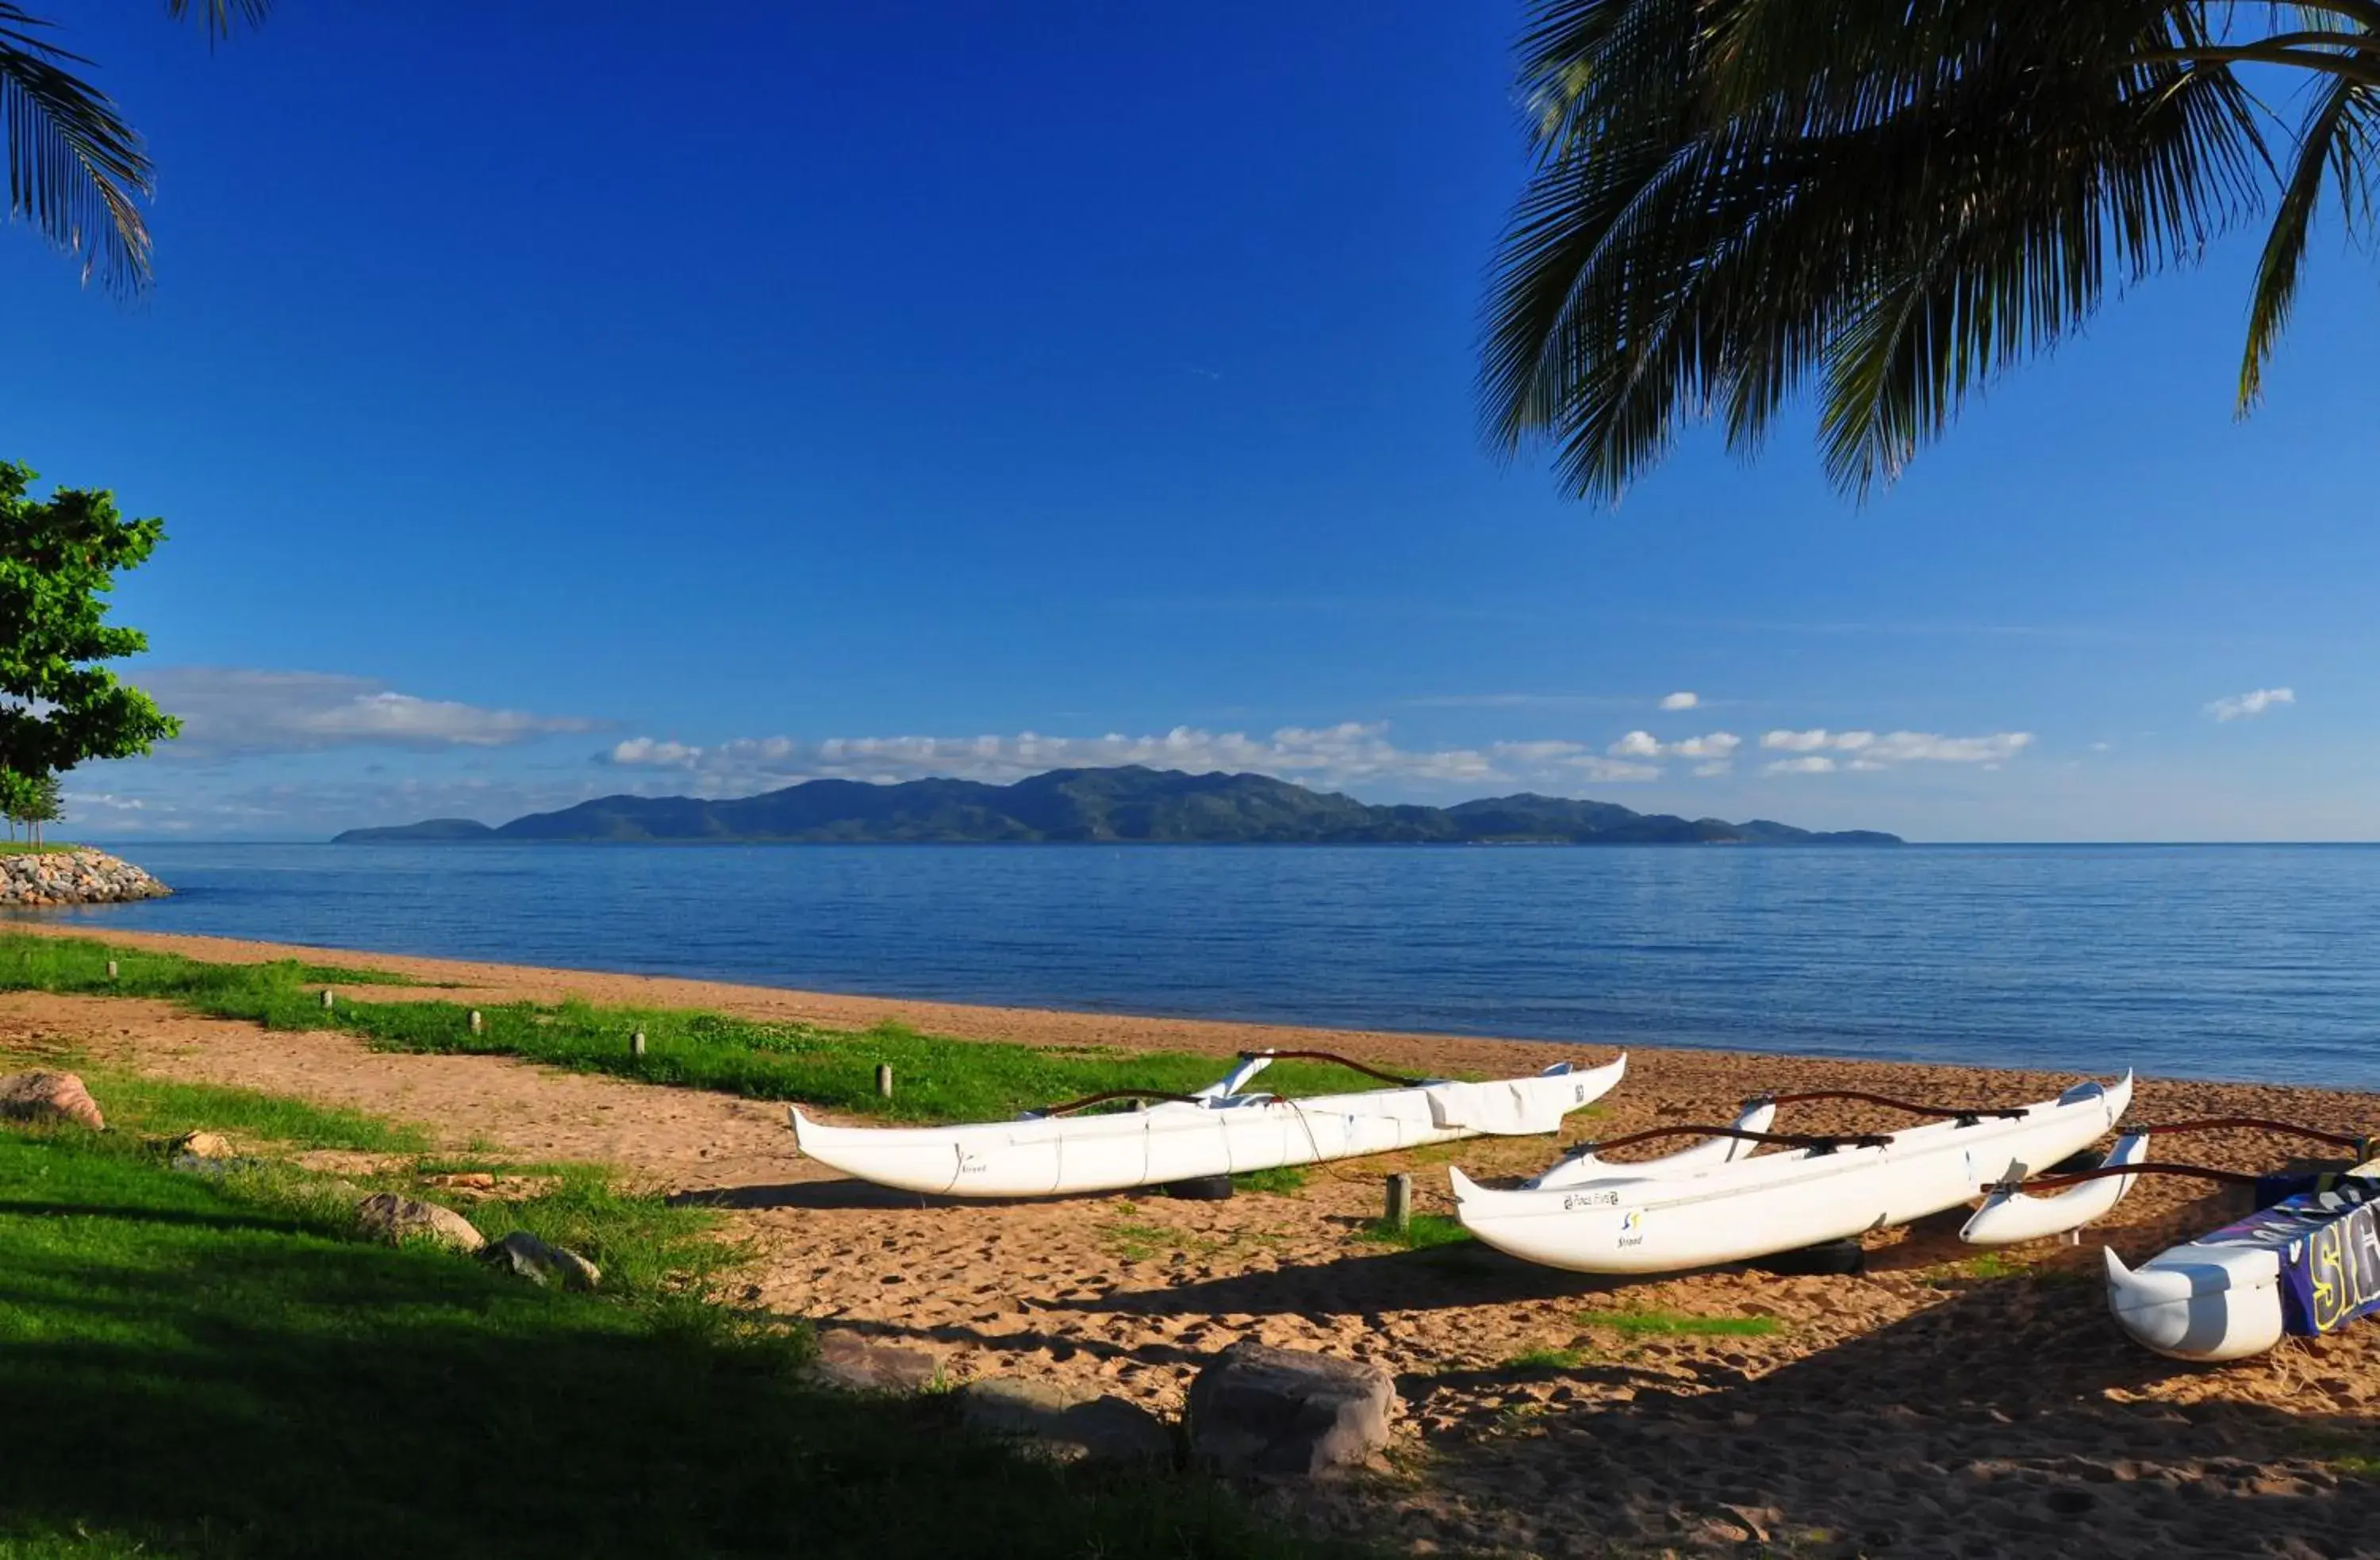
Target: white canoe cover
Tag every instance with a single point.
(1213, 1133)
(1638, 1219)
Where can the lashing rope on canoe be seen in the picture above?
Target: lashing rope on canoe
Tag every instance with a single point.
(2361, 1147)
(1816, 1143)
(1966, 1115)
(2146, 1167)
(1108, 1095)
(1105, 1095)
(1349, 1063)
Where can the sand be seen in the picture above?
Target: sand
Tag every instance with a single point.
(1933, 1405)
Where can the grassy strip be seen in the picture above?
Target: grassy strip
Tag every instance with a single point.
(1668, 1323)
(212, 1366)
(1424, 1231)
(163, 1107)
(935, 1080)
(27, 847)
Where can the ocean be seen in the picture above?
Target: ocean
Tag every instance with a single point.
(2254, 962)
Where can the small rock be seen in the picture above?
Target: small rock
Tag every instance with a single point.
(200, 1145)
(49, 1096)
(395, 1218)
(1063, 1425)
(539, 1263)
(850, 1362)
(1259, 1409)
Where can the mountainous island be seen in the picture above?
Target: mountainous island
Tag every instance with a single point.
(1130, 804)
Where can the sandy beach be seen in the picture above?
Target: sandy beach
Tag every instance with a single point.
(1936, 1404)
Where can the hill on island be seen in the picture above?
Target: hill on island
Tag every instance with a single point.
(1089, 805)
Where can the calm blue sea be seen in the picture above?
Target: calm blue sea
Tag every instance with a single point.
(2232, 961)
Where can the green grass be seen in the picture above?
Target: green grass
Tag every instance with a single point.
(162, 1107)
(202, 1366)
(1285, 1180)
(1424, 1231)
(26, 848)
(1542, 1358)
(934, 1079)
(1667, 1324)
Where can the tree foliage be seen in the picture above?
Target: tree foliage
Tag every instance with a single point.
(1893, 199)
(58, 559)
(32, 801)
(76, 170)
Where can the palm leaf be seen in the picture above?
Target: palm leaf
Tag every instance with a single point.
(219, 17)
(2327, 142)
(76, 169)
(1732, 205)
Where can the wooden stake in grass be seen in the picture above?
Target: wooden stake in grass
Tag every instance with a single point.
(637, 1043)
(1399, 1216)
(111, 969)
(330, 999)
(476, 1020)
(884, 1079)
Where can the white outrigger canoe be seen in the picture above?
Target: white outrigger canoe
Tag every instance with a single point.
(2308, 1263)
(1222, 1129)
(1665, 1215)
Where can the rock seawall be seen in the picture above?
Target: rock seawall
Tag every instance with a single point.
(73, 877)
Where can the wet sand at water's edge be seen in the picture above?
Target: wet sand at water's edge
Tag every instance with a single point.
(1938, 1403)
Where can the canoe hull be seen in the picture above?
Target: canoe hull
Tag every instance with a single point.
(1756, 1207)
(2198, 1303)
(1227, 1134)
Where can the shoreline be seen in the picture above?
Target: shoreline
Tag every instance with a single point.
(1705, 1075)
(1942, 1399)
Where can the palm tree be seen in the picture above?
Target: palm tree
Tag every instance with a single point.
(1895, 199)
(76, 168)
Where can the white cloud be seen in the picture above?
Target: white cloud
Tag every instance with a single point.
(1718, 766)
(2245, 706)
(1717, 745)
(1902, 746)
(1681, 701)
(1644, 744)
(231, 711)
(643, 753)
(1350, 753)
(1814, 764)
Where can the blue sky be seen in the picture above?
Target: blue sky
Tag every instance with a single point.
(549, 401)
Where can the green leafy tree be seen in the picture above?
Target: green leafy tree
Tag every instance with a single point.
(76, 170)
(59, 557)
(1890, 200)
(31, 800)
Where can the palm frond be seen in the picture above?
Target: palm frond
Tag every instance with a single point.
(1732, 204)
(2328, 143)
(220, 18)
(76, 169)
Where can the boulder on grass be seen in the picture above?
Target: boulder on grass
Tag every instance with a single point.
(49, 1096)
(1259, 1409)
(200, 1145)
(539, 1263)
(397, 1219)
(1048, 1421)
(850, 1362)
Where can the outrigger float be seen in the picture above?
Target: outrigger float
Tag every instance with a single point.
(1717, 1202)
(1224, 1129)
(2307, 1262)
